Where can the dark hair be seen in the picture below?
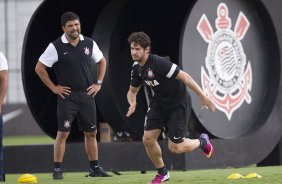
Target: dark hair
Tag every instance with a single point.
(68, 16)
(140, 38)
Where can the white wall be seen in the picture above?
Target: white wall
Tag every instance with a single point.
(14, 19)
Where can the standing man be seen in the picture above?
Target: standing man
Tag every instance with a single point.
(71, 56)
(170, 106)
(3, 90)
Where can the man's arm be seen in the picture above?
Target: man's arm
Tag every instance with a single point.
(3, 86)
(131, 98)
(41, 71)
(102, 65)
(189, 81)
(93, 89)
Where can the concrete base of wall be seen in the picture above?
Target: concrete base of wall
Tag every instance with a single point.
(129, 157)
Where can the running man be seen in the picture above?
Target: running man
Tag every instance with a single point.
(170, 106)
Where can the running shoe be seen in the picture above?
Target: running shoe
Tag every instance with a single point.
(160, 178)
(58, 174)
(99, 172)
(208, 149)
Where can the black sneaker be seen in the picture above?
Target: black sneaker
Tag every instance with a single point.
(58, 174)
(99, 172)
(122, 137)
(118, 137)
(127, 137)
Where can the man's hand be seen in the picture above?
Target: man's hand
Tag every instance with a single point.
(131, 98)
(61, 90)
(93, 89)
(131, 109)
(207, 103)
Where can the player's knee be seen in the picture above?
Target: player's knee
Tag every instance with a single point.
(175, 148)
(62, 136)
(147, 141)
(90, 135)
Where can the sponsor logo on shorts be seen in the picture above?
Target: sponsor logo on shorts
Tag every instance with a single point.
(176, 138)
(66, 123)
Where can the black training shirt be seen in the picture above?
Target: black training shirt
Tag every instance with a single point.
(160, 74)
(72, 65)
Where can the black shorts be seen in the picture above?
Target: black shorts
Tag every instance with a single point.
(173, 117)
(78, 105)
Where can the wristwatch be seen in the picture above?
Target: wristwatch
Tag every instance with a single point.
(99, 82)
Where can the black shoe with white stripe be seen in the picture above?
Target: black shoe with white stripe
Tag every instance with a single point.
(58, 174)
(98, 172)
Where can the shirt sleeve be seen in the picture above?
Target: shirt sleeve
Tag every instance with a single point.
(3, 62)
(49, 56)
(97, 55)
(136, 81)
(167, 68)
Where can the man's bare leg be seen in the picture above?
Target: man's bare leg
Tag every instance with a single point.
(153, 149)
(60, 146)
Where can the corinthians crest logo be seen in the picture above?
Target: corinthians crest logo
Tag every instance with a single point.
(228, 79)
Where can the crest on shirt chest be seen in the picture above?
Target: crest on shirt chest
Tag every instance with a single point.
(86, 51)
(229, 77)
(150, 73)
(149, 79)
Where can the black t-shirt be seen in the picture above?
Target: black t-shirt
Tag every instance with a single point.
(74, 66)
(159, 73)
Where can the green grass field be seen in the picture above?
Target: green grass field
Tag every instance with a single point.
(270, 175)
(26, 140)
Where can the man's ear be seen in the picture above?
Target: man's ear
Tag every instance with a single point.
(63, 28)
(147, 50)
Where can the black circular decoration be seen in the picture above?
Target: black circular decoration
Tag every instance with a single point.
(117, 21)
(41, 31)
(231, 48)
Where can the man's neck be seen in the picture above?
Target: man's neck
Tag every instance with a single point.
(73, 42)
(144, 60)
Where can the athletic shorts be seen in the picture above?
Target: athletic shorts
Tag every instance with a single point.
(78, 105)
(173, 117)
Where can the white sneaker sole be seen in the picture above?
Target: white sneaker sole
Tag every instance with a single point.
(166, 178)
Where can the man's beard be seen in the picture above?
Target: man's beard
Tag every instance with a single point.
(73, 36)
(137, 59)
